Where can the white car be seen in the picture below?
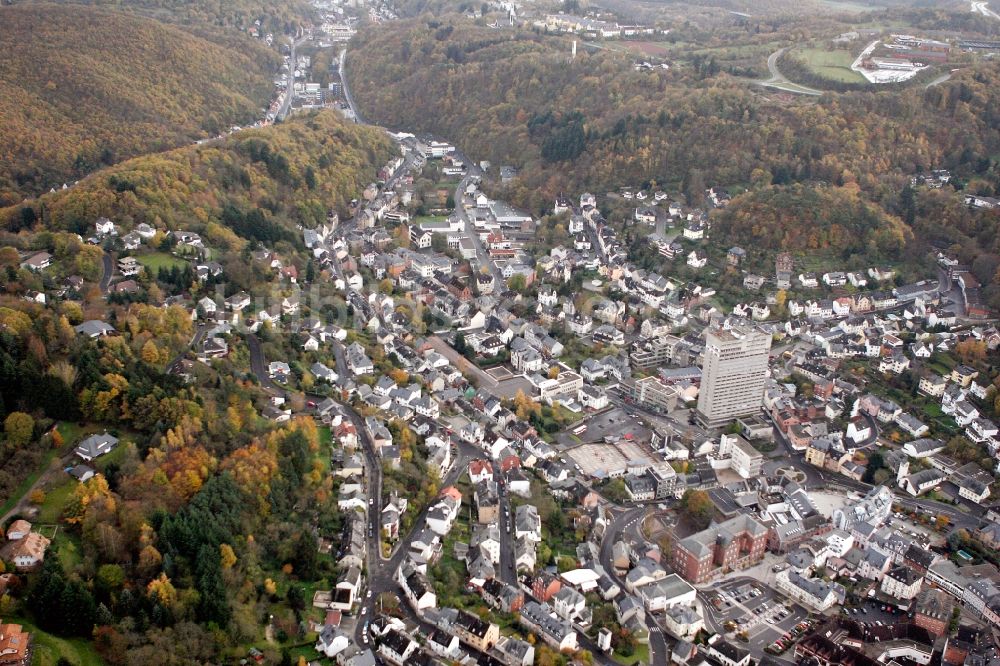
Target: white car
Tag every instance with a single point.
(369, 595)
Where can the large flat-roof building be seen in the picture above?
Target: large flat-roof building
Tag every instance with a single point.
(744, 459)
(733, 374)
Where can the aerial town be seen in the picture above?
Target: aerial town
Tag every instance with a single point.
(322, 388)
(751, 486)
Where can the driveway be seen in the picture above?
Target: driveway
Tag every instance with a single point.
(108, 265)
(258, 364)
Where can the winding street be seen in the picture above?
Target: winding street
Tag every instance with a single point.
(984, 9)
(628, 521)
(780, 82)
(347, 90)
(482, 257)
(199, 335)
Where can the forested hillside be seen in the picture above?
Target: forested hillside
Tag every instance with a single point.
(86, 87)
(278, 17)
(802, 218)
(257, 183)
(521, 100)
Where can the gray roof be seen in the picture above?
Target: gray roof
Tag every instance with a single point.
(94, 328)
(700, 544)
(96, 445)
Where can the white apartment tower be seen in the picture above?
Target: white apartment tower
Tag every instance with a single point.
(733, 374)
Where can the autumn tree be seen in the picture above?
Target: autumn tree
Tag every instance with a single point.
(697, 506)
(161, 589)
(227, 556)
(18, 429)
(524, 406)
(86, 496)
(971, 351)
(150, 353)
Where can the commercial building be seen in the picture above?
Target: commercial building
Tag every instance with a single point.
(733, 374)
(665, 593)
(873, 508)
(932, 611)
(743, 458)
(814, 593)
(654, 351)
(737, 543)
(902, 582)
(650, 393)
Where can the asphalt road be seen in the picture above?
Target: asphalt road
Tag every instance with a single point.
(199, 335)
(506, 572)
(482, 256)
(347, 89)
(623, 521)
(595, 242)
(258, 364)
(289, 87)
(109, 271)
(983, 8)
(780, 82)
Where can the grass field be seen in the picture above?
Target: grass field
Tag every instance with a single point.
(640, 656)
(28, 482)
(847, 6)
(834, 65)
(154, 262)
(656, 49)
(68, 548)
(48, 649)
(55, 501)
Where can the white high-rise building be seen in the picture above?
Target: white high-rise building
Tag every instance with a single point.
(733, 374)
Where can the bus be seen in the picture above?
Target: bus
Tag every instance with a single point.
(580, 430)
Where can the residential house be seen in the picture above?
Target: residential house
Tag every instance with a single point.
(95, 446)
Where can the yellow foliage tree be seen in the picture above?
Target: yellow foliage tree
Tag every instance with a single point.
(94, 492)
(162, 589)
(227, 556)
(524, 406)
(150, 560)
(150, 353)
(252, 468)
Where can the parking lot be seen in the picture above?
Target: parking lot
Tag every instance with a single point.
(904, 525)
(615, 423)
(756, 611)
(872, 612)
